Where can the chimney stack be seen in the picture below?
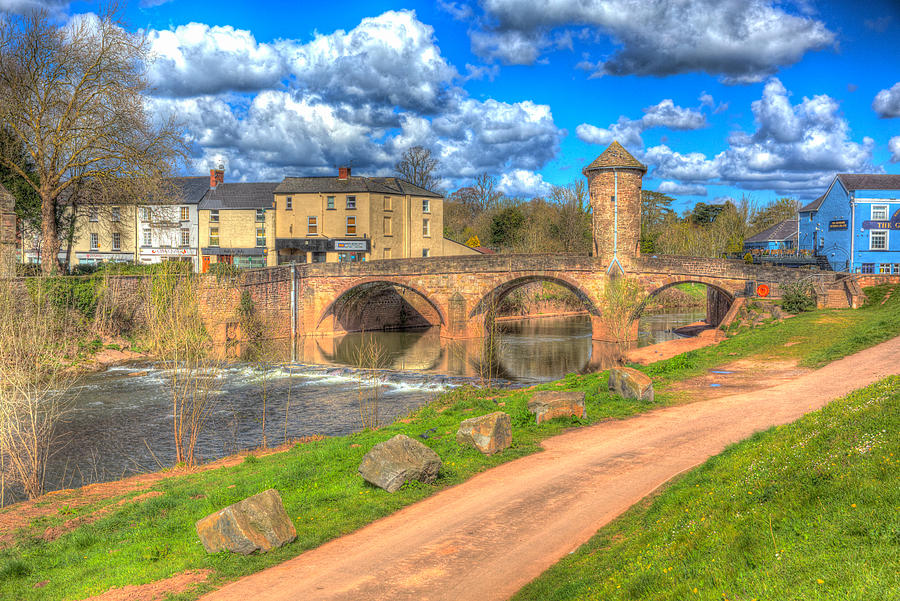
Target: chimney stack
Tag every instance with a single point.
(343, 172)
(216, 176)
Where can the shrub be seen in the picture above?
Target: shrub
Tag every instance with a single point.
(798, 297)
(748, 258)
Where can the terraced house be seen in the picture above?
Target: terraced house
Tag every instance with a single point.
(236, 223)
(351, 218)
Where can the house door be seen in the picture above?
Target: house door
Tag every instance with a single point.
(205, 265)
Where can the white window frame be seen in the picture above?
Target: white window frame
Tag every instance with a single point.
(289, 203)
(185, 213)
(426, 228)
(145, 213)
(260, 215)
(94, 215)
(117, 241)
(886, 210)
(426, 252)
(351, 203)
(214, 216)
(260, 229)
(148, 237)
(349, 217)
(185, 237)
(426, 205)
(329, 203)
(312, 225)
(216, 236)
(872, 236)
(95, 241)
(116, 214)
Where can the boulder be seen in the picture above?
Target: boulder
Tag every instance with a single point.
(550, 404)
(630, 383)
(391, 463)
(489, 433)
(258, 523)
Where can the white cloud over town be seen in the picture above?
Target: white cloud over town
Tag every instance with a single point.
(739, 40)
(357, 97)
(628, 131)
(894, 147)
(521, 183)
(795, 148)
(887, 102)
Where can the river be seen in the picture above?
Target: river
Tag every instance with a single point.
(120, 422)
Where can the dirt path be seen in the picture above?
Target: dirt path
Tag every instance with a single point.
(486, 538)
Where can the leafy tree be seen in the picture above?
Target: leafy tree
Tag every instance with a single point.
(656, 209)
(417, 166)
(73, 98)
(705, 214)
(506, 227)
(28, 203)
(774, 213)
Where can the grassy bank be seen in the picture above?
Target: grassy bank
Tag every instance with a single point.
(145, 540)
(806, 511)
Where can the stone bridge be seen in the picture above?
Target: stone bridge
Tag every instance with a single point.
(457, 294)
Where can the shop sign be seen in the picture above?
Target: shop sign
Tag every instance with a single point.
(105, 256)
(351, 245)
(893, 224)
(169, 252)
(837, 224)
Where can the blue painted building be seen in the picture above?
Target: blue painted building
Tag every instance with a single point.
(780, 237)
(855, 224)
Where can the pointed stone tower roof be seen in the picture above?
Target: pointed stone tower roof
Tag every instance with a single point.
(615, 157)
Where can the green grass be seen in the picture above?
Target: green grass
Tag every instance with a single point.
(806, 511)
(152, 539)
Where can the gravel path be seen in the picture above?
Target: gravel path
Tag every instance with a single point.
(486, 538)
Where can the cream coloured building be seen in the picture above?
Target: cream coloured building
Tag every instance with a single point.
(352, 218)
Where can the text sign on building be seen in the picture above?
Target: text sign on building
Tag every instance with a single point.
(169, 252)
(351, 245)
(837, 224)
(893, 224)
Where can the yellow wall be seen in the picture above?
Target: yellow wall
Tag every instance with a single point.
(237, 229)
(405, 239)
(104, 227)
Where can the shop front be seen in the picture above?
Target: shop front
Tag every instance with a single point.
(321, 250)
(244, 258)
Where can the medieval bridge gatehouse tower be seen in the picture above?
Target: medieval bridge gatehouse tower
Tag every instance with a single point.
(615, 182)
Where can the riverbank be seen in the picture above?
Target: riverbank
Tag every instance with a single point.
(152, 539)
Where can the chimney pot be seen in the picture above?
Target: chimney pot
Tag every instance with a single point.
(216, 177)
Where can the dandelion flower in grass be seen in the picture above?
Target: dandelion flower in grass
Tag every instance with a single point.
(820, 581)
(852, 504)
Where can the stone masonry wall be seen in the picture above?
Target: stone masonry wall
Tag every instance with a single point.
(602, 187)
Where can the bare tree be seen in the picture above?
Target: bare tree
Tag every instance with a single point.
(572, 226)
(73, 96)
(620, 306)
(417, 166)
(36, 338)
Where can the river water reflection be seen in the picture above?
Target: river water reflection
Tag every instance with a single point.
(121, 419)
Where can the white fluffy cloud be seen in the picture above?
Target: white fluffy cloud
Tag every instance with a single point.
(391, 59)
(887, 102)
(196, 59)
(894, 147)
(357, 97)
(740, 40)
(668, 187)
(795, 149)
(628, 131)
(26, 6)
(521, 183)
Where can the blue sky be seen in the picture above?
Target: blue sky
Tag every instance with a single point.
(719, 97)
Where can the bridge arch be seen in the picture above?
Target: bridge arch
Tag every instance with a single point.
(379, 303)
(499, 291)
(718, 300)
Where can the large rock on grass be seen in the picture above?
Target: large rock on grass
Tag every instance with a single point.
(258, 523)
(391, 463)
(550, 404)
(630, 383)
(489, 433)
